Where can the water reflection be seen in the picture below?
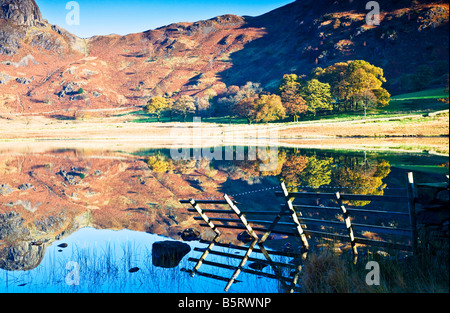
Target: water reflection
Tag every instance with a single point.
(95, 261)
(45, 197)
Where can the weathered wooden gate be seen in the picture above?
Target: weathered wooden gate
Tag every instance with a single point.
(303, 227)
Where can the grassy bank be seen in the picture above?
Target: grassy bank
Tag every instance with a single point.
(436, 93)
(395, 126)
(427, 272)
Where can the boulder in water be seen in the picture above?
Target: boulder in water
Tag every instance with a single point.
(168, 254)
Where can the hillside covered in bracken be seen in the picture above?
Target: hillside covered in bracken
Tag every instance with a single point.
(44, 68)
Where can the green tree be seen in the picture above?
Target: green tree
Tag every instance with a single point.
(317, 96)
(184, 106)
(269, 108)
(288, 80)
(361, 78)
(291, 99)
(383, 97)
(157, 105)
(336, 76)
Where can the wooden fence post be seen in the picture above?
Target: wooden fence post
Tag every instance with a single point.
(348, 225)
(241, 264)
(250, 248)
(294, 217)
(272, 226)
(241, 216)
(203, 256)
(412, 211)
(295, 277)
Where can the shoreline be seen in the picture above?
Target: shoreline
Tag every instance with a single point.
(427, 134)
(426, 146)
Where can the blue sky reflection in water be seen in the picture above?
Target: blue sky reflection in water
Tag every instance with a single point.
(105, 257)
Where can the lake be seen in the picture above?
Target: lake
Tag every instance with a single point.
(87, 219)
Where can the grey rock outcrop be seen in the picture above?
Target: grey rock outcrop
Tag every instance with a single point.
(4, 78)
(21, 21)
(25, 186)
(16, 16)
(10, 39)
(190, 234)
(21, 12)
(70, 89)
(23, 80)
(22, 255)
(12, 227)
(69, 177)
(5, 189)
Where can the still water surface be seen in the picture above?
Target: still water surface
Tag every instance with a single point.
(74, 220)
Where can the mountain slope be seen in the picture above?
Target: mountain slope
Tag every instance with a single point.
(43, 68)
(309, 33)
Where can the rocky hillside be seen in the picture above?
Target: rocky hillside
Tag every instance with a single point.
(23, 28)
(307, 34)
(21, 12)
(43, 68)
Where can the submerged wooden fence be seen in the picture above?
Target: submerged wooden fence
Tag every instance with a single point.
(304, 227)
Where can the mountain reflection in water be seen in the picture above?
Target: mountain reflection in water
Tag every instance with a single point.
(60, 195)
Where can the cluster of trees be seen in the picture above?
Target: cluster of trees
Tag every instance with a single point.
(354, 85)
(344, 86)
(183, 107)
(301, 97)
(252, 103)
(294, 97)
